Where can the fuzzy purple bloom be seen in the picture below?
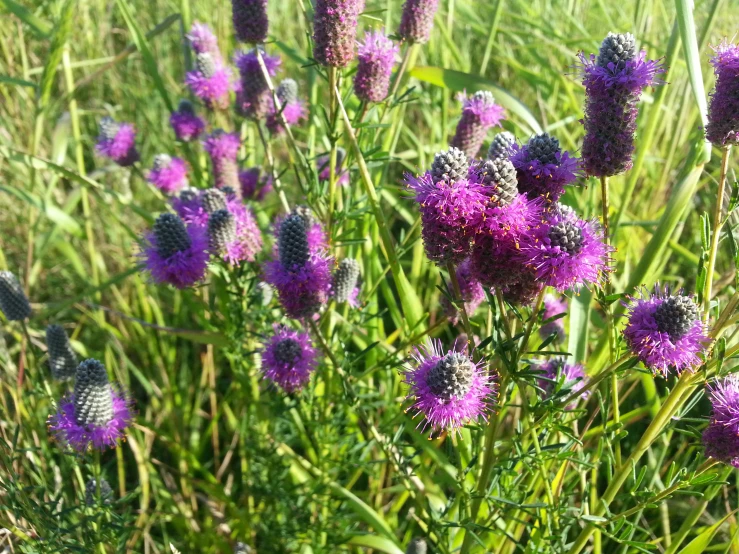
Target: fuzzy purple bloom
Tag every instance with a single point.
(448, 389)
(566, 252)
(553, 306)
(722, 443)
(248, 237)
(335, 30)
(543, 170)
(96, 415)
(724, 396)
(176, 253)
(723, 113)
(186, 124)
(496, 263)
(203, 41)
(210, 82)
(117, 141)
(288, 359)
(479, 113)
(223, 148)
(250, 20)
(316, 236)
(417, 20)
(253, 186)
(614, 81)
(376, 59)
(168, 174)
(472, 293)
(557, 373)
(254, 99)
(665, 332)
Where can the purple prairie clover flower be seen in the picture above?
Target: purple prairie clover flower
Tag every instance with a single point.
(451, 213)
(721, 442)
(210, 81)
(665, 332)
(501, 146)
(168, 174)
(95, 415)
(553, 306)
(291, 107)
(203, 41)
(223, 149)
(288, 359)
(496, 263)
(301, 276)
(186, 124)
(189, 207)
(345, 285)
(176, 253)
(335, 30)
(417, 20)
(723, 112)
(566, 252)
(524, 290)
(248, 236)
(323, 163)
(117, 141)
(13, 300)
(543, 170)
(614, 81)
(250, 20)
(317, 240)
(472, 293)
(376, 59)
(557, 373)
(724, 396)
(479, 113)
(254, 99)
(448, 389)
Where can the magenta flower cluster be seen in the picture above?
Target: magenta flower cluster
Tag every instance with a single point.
(417, 20)
(253, 98)
(472, 291)
(376, 58)
(723, 113)
(479, 114)
(721, 437)
(210, 80)
(543, 170)
(223, 149)
(288, 359)
(117, 141)
(334, 31)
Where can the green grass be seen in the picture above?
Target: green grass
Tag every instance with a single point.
(217, 456)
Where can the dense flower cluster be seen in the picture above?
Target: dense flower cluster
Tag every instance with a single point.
(292, 108)
(250, 20)
(479, 113)
(223, 149)
(723, 113)
(253, 98)
(417, 20)
(13, 300)
(721, 437)
(187, 126)
(543, 169)
(210, 80)
(117, 141)
(375, 67)
(334, 31)
(288, 359)
(168, 174)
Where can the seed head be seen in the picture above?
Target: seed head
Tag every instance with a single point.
(213, 200)
(676, 316)
(449, 165)
(345, 279)
(171, 235)
(544, 148)
(451, 376)
(500, 176)
(93, 399)
(567, 236)
(221, 230)
(500, 147)
(62, 359)
(293, 242)
(287, 92)
(617, 49)
(250, 20)
(13, 301)
(108, 128)
(205, 64)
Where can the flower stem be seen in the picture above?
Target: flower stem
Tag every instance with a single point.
(332, 97)
(717, 223)
(462, 309)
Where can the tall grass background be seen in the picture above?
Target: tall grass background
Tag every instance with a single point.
(215, 456)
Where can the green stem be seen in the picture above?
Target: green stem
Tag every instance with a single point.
(717, 224)
(333, 95)
(460, 301)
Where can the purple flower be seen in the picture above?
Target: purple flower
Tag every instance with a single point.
(724, 396)
(496, 263)
(448, 389)
(472, 293)
(117, 141)
(557, 373)
(292, 107)
(613, 83)
(723, 113)
(250, 20)
(722, 443)
(324, 168)
(210, 81)
(254, 99)
(543, 170)
(479, 113)
(565, 251)
(95, 415)
(317, 240)
(253, 187)
(203, 41)
(417, 20)
(288, 359)
(186, 125)
(524, 290)
(168, 174)
(176, 254)
(223, 148)
(665, 332)
(302, 276)
(376, 60)
(248, 236)
(553, 306)
(334, 31)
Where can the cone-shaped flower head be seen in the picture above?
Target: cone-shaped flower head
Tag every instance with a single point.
(254, 186)
(524, 290)
(448, 389)
(117, 141)
(499, 178)
(553, 306)
(345, 287)
(223, 149)
(417, 546)
(177, 253)
(479, 113)
(291, 106)
(96, 414)
(376, 59)
(665, 332)
(13, 301)
(210, 81)
(288, 359)
(213, 200)
(721, 437)
(543, 169)
(501, 146)
(250, 20)
(613, 83)
(417, 20)
(254, 99)
(316, 236)
(723, 113)
(62, 359)
(558, 374)
(722, 443)
(566, 252)
(221, 231)
(302, 276)
(203, 41)
(472, 293)
(91, 493)
(168, 174)
(187, 126)
(449, 165)
(335, 31)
